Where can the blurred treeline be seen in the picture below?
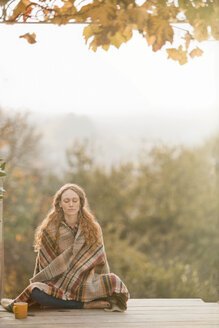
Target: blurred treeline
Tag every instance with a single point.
(159, 218)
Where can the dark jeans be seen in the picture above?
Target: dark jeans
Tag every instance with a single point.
(47, 300)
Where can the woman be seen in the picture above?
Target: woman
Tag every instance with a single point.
(71, 267)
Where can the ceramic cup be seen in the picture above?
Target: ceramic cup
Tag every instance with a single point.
(20, 310)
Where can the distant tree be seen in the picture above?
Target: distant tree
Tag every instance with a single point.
(19, 140)
(112, 22)
(178, 206)
(23, 201)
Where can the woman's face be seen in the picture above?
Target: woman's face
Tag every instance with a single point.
(70, 202)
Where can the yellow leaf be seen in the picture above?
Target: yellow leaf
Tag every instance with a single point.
(117, 39)
(138, 16)
(90, 30)
(93, 45)
(101, 12)
(68, 8)
(127, 32)
(58, 20)
(161, 29)
(150, 39)
(106, 46)
(165, 12)
(177, 54)
(103, 35)
(196, 52)
(29, 37)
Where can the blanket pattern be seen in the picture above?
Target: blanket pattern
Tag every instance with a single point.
(78, 272)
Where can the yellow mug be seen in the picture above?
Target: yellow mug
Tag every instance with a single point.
(20, 310)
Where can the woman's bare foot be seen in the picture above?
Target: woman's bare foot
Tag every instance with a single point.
(96, 305)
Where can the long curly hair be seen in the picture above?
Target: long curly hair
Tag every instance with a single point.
(89, 225)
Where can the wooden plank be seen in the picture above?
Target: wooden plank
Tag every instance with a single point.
(206, 308)
(119, 325)
(118, 317)
(165, 301)
(187, 324)
(151, 311)
(140, 313)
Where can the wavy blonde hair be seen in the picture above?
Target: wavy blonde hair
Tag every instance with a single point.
(86, 219)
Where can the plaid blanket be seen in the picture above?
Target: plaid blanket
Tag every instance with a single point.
(78, 272)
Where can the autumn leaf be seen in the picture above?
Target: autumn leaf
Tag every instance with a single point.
(21, 9)
(138, 16)
(93, 45)
(90, 31)
(117, 39)
(161, 29)
(99, 35)
(29, 37)
(98, 11)
(177, 54)
(167, 12)
(196, 52)
(106, 46)
(104, 36)
(127, 32)
(150, 39)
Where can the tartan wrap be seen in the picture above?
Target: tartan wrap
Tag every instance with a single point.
(78, 272)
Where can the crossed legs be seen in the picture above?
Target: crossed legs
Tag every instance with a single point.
(47, 300)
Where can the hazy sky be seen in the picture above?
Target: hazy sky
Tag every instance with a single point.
(60, 73)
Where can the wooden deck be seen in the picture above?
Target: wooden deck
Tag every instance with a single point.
(145, 313)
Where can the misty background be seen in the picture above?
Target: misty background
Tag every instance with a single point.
(116, 139)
